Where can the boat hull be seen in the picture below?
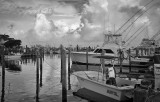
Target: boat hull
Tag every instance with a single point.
(80, 58)
(104, 89)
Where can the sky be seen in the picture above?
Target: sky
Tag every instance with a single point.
(82, 22)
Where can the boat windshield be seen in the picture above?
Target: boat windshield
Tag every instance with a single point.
(106, 51)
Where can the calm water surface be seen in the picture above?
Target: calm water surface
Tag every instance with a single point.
(20, 81)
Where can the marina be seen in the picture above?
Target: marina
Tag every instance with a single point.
(50, 86)
(79, 51)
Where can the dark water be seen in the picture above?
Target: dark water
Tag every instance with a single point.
(20, 81)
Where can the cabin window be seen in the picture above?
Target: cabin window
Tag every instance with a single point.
(106, 51)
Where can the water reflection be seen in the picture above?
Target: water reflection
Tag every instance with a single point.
(28, 60)
(13, 66)
(21, 87)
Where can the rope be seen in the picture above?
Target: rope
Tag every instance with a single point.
(135, 33)
(137, 18)
(133, 16)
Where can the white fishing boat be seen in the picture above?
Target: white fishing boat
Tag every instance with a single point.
(97, 84)
(111, 48)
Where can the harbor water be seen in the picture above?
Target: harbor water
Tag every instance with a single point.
(20, 81)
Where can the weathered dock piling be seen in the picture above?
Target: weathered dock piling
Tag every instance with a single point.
(129, 53)
(63, 74)
(102, 62)
(37, 78)
(87, 58)
(3, 74)
(69, 57)
(61, 62)
(41, 67)
(120, 60)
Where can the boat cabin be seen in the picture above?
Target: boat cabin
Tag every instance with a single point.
(109, 48)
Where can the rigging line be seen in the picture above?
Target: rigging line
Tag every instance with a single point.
(155, 35)
(137, 18)
(136, 36)
(133, 16)
(134, 33)
(127, 33)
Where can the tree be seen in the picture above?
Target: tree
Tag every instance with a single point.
(9, 42)
(12, 43)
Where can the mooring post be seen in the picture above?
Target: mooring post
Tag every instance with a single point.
(3, 74)
(69, 57)
(87, 58)
(41, 67)
(137, 51)
(129, 53)
(37, 78)
(63, 67)
(120, 64)
(61, 61)
(43, 53)
(102, 63)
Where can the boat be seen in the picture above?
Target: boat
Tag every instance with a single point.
(97, 83)
(112, 48)
(13, 57)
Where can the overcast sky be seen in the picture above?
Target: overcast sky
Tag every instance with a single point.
(83, 22)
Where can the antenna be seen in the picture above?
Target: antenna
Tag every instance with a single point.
(114, 29)
(104, 22)
(108, 20)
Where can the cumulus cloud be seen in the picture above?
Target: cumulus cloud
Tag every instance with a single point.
(131, 10)
(142, 21)
(82, 20)
(93, 18)
(42, 26)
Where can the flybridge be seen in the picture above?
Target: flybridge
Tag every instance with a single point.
(112, 38)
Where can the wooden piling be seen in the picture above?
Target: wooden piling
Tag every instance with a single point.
(120, 64)
(87, 58)
(3, 74)
(129, 53)
(69, 57)
(103, 63)
(63, 67)
(61, 61)
(137, 52)
(37, 78)
(41, 68)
